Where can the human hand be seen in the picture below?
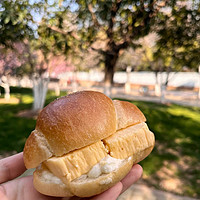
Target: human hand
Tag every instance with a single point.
(23, 189)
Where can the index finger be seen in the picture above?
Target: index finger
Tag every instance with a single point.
(11, 167)
(133, 176)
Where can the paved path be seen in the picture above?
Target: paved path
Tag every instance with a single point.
(157, 99)
(185, 98)
(142, 192)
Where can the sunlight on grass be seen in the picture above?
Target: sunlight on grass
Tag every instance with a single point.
(27, 99)
(186, 112)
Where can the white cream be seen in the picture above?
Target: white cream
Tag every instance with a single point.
(106, 181)
(95, 171)
(105, 166)
(50, 177)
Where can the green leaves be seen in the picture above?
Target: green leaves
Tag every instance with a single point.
(7, 19)
(15, 18)
(76, 25)
(179, 35)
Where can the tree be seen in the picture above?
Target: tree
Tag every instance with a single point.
(9, 62)
(130, 57)
(46, 46)
(179, 34)
(117, 23)
(179, 37)
(14, 26)
(17, 23)
(42, 58)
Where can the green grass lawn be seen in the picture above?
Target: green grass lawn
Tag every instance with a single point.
(174, 163)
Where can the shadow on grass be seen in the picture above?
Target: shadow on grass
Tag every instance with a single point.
(17, 90)
(14, 130)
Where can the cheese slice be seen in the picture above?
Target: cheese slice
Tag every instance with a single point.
(76, 163)
(126, 142)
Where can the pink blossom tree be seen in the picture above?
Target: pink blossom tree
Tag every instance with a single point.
(10, 61)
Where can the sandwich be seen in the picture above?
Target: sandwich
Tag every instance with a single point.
(84, 143)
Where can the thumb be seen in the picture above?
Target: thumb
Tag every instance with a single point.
(110, 194)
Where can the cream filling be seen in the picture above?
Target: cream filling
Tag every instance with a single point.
(105, 166)
(50, 177)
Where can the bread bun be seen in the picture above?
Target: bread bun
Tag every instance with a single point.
(127, 114)
(76, 132)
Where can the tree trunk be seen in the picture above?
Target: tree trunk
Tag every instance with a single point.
(7, 91)
(169, 69)
(6, 86)
(157, 86)
(199, 84)
(164, 85)
(74, 82)
(163, 93)
(57, 89)
(128, 81)
(163, 89)
(110, 63)
(40, 87)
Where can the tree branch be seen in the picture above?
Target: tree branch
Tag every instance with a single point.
(123, 45)
(114, 10)
(100, 51)
(56, 29)
(94, 18)
(148, 11)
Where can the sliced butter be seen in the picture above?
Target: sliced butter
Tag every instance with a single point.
(76, 163)
(128, 141)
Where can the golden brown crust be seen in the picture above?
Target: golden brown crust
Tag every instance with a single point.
(141, 155)
(77, 120)
(127, 114)
(36, 150)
